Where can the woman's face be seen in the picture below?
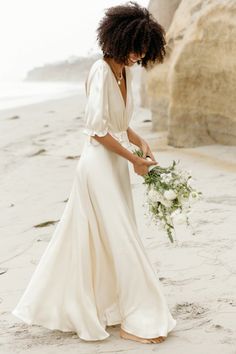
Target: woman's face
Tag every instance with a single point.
(134, 57)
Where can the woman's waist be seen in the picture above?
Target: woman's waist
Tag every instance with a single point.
(121, 136)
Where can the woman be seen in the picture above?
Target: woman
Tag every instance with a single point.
(95, 272)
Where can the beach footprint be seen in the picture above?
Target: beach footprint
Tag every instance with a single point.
(190, 310)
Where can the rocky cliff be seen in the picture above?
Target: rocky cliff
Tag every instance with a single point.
(192, 94)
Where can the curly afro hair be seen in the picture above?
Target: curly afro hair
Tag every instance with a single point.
(131, 28)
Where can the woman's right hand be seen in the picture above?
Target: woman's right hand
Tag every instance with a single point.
(141, 165)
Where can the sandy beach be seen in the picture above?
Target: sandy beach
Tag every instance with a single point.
(40, 148)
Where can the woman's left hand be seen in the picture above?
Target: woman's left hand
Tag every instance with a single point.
(146, 150)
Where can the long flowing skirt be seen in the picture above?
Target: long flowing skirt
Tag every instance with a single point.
(95, 271)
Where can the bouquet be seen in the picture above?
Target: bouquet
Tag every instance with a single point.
(169, 195)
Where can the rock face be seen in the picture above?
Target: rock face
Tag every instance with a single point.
(163, 11)
(192, 94)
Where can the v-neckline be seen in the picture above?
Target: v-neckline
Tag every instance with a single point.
(126, 78)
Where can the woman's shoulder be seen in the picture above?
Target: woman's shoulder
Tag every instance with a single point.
(99, 65)
(98, 73)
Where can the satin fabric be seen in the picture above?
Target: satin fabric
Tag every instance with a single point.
(95, 271)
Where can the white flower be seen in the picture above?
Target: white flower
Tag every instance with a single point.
(166, 177)
(170, 194)
(167, 203)
(154, 196)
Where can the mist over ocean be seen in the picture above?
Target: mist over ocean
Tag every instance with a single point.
(21, 93)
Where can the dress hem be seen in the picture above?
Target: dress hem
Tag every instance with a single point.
(125, 328)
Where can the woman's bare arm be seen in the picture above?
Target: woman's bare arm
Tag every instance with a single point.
(137, 140)
(140, 164)
(133, 137)
(112, 144)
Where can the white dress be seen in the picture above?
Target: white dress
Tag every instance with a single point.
(95, 271)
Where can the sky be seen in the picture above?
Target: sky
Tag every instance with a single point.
(37, 32)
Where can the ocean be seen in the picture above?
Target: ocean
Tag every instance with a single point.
(21, 93)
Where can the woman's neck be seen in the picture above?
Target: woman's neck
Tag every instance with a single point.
(116, 66)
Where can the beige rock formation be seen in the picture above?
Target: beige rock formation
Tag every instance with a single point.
(163, 11)
(193, 93)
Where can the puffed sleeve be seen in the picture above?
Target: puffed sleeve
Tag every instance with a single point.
(96, 117)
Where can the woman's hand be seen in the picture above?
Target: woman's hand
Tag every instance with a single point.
(146, 150)
(141, 165)
(136, 139)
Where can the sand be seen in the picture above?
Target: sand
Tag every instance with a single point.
(40, 147)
